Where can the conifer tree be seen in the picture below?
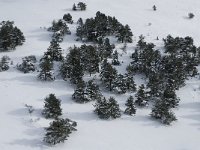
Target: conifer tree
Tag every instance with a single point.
(4, 63)
(74, 7)
(27, 65)
(54, 52)
(108, 75)
(115, 60)
(130, 83)
(120, 84)
(68, 18)
(141, 96)
(80, 95)
(92, 90)
(82, 6)
(130, 104)
(162, 111)
(51, 107)
(46, 73)
(101, 108)
(113, 108)
(59, 130)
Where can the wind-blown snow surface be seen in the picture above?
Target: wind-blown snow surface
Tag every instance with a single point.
(21, 131)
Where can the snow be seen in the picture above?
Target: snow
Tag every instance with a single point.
(23, 131)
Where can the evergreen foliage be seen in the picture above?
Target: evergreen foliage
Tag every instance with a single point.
(54, 52)
(115, 60)
(51, 107)
(130, 104)
(141, 96)
(101, 26)
(59, 130)
(68, 18)
(106, 109)
(4, 63)
(27, 64)
(108, 74)
(92, 90)
(79, 95)
(46, 74)
(10, 36)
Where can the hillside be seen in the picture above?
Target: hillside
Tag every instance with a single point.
(23, 131)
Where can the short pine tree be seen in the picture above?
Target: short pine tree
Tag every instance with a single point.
(92, 90)
(130, 104)
(162, 111)
(4, 63)
(46, 70)
(59, 130)
(115, 60)
(141, 96)
(113, 108)
(79, 94)
(101, 108)
(51, 107)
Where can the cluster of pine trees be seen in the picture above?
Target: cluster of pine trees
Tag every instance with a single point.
(10, 36)
(100, 26)
(59, 129)
(165, 73)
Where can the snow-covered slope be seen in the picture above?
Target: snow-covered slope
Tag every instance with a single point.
(21, 131)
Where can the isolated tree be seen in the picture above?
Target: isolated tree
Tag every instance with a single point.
(27, 65)
(4, 63)
(154, 8)
(141, 96)
(130, 106)
(82, 6)
(59, 130)
(74, 7)
(68, 18)
(190, 15)
(10, 36)
(46, 73)
(51, 107)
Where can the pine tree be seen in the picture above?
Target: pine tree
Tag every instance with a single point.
(106, 109)
(130, 83)
(115, 60)
(92, 90)
(120, 84)
(74, 7)
(101, 108)
(79, 95)
(51, 107)
(59, 130)
(10, 36)
(46, 70)
(131, 109)
(113, 108)
(68, 18)
(108, 75)
(4, 63)
(27, 65)
(82, 6)
(141, 96)
(162, 111)
(154, 8)
(72, 67)
(124, 34)
(54, 52)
